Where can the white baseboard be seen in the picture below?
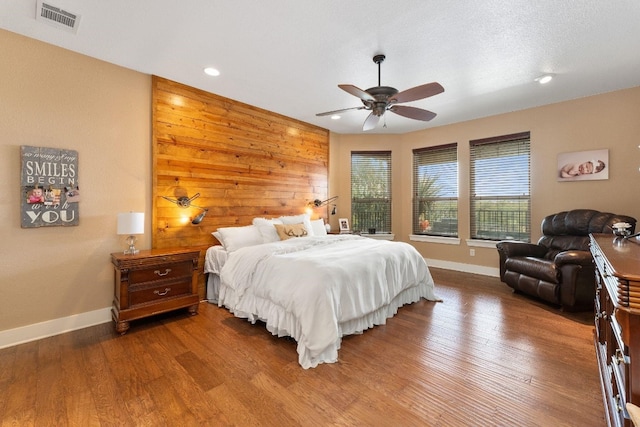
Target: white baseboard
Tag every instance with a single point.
(466, 268)
(37, 331)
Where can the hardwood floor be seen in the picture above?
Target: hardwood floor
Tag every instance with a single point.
(482, 357)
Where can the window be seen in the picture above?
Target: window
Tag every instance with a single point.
(371, 191)
(500, 183)
(435, 191)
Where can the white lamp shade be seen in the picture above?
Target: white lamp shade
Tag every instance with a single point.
(131, 223)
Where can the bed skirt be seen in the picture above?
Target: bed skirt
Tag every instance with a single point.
(283, 324)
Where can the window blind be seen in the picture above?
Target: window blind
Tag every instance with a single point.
(371, 191)
(500, 188)
(435, 190)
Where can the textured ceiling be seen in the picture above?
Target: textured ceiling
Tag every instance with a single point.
(288, 56)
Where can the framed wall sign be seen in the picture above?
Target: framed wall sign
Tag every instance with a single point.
(49, 187)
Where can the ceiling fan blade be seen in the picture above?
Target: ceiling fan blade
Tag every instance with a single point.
(413, 112)
(330, 113)
(371, 122)
(418, 92)
(356, 91)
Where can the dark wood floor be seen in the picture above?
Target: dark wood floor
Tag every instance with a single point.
(482, 357)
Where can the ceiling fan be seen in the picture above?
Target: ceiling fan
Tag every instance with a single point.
(380, 99)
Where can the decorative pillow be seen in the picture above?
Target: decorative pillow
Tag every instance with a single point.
(234, 238)
(297, 219)
(318, 227)
(287, 231)
(266, 229)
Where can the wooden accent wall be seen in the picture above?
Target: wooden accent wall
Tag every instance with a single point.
(244, 162)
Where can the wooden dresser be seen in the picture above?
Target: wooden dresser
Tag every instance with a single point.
(617, 321)
(153, 281)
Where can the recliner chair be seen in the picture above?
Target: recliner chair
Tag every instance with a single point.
(559, 269)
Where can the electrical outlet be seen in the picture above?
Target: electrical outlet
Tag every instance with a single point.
(472, 252)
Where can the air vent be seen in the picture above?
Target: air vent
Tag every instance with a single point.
(57, 17)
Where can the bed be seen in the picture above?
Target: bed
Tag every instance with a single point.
(315, 288)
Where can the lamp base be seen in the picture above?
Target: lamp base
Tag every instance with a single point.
(131, 240)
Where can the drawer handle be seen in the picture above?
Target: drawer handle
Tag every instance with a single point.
(166, 271)
(166, 291)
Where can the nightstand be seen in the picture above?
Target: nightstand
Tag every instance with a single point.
(152, 282)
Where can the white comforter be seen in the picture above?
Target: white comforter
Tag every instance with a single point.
(318, 289)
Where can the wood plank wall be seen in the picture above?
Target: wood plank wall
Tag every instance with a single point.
(244, 161)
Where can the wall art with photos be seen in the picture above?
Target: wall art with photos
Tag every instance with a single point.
(344, 225)
(49, 187)
(583, 165)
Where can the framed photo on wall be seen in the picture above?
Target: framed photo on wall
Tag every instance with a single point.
(344, 225)
(583, 165)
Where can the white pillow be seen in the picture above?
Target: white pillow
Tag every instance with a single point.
(318, 227)
(266, 229)
(297, 219)
(234, 238)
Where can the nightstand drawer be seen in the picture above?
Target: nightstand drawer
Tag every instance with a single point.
(161, 272)
(166, 290)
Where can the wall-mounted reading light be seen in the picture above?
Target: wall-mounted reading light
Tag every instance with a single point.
(198, 219)
(185, 202)
(318, 203)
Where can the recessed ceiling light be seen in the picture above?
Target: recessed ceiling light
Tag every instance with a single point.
(544, 79)
(335, 117)
(211, 71)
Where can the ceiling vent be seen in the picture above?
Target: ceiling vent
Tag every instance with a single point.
(57, 17)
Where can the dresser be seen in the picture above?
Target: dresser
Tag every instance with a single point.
(152, 282)
(617, 323)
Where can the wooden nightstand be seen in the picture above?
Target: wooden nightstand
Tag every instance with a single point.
(152, 282)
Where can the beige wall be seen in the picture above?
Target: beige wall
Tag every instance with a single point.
(598, 122)
(51, 97)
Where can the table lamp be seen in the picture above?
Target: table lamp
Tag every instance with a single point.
(131, 223)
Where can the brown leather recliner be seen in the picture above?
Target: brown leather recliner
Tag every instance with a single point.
(559, 269)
